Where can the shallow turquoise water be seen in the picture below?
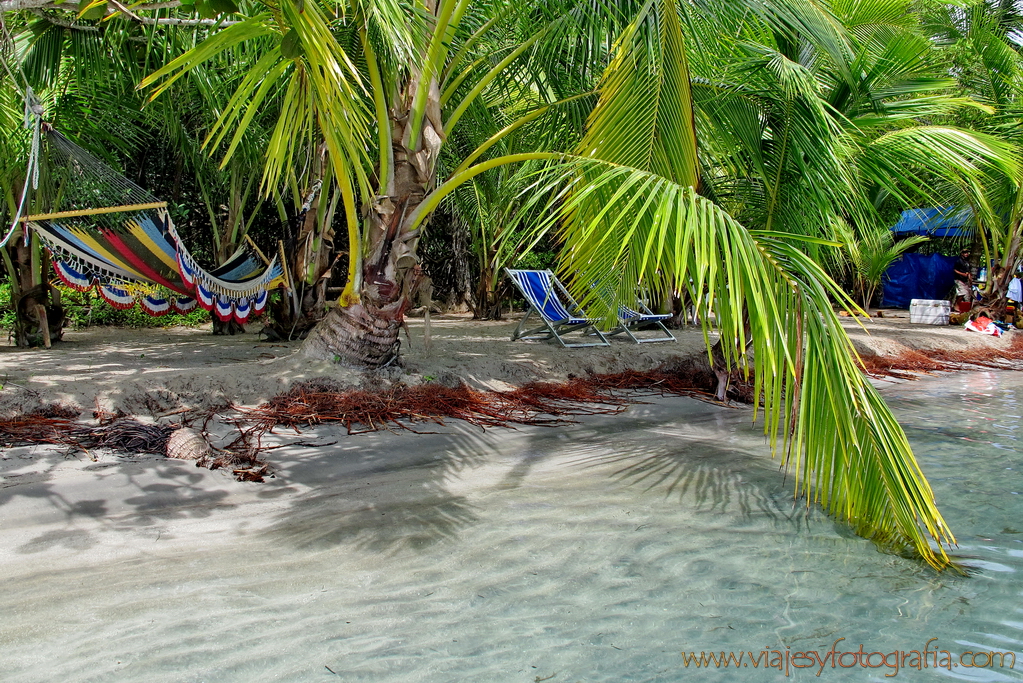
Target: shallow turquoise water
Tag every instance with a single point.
(598, 552)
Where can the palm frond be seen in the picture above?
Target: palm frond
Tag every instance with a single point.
(631, 217)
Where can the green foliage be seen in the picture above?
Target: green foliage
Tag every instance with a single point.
(7, 315)
(87, 309)
(635, 218)
(870, 250)
(536, 260)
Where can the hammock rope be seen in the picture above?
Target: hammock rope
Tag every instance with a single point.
(105, 232)
(33, 120)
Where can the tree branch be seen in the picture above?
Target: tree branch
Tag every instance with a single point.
(57, 21)
(37, 6)
(17, 5)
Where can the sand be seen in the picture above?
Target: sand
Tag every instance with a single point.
(158, 371)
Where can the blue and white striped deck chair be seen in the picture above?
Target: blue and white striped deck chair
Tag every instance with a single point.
(547, 298)
(631, 320)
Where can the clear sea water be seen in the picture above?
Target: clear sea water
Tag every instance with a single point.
(595, 552)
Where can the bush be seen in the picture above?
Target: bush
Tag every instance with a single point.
(88, 308)
(537, 260)
(84, 309)
(7, 314)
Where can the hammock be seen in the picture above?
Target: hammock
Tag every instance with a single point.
(114, 236)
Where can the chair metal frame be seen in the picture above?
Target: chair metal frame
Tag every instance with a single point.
(629, 319)
(554, 328)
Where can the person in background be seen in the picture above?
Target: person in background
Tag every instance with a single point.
(1015, 295)
(962, 271)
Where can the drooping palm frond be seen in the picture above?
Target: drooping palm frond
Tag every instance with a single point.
(633, 215)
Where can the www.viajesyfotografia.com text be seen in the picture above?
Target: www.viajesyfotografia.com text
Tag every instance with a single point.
(894, 661)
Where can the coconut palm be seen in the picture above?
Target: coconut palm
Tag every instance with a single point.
(981, 41)
(799, 133)
(634, 209)
(638, 212)
(869, 254)
(386, 86)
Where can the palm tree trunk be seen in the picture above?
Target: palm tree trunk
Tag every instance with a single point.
(999, 278)
(365, 334)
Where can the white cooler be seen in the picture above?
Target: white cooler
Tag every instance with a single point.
(929, 311)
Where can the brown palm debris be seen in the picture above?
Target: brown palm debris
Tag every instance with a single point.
(49, 426)
(132, 436)
(910, 364)
(401, 406)
(902, 366)
(253, 474)
(661, 380)
(37, 428)
(105, 416)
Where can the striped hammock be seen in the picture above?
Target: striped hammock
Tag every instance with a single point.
(117, 238)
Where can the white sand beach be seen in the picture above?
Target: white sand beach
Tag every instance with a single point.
(151, 372)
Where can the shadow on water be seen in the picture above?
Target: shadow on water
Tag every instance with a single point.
(36, 473)
(398, 492)
(696, 475)
(702, 457)
(385, 493)
(378, 527)
(407, 492)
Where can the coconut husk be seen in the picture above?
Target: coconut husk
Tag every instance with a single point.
(187, 444)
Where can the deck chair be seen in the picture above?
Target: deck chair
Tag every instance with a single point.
(547, 298)
(631, 320)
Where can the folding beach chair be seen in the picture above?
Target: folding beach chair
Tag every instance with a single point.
(547, 298)
(631, 320)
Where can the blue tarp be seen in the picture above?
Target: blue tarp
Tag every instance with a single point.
(915, 276)
(939, 222)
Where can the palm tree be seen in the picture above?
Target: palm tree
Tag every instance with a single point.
(981, 42)
(635, 209)
(386, 87)
(869, 254)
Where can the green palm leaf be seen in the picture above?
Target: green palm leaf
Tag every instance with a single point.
(634, 216)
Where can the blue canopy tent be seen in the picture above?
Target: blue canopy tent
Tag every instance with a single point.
(939, 222)
(918, 276)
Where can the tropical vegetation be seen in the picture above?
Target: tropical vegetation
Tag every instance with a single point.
(742, 153)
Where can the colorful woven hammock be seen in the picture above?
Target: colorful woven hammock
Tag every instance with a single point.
(116, 237)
